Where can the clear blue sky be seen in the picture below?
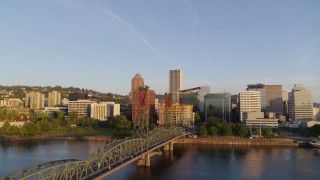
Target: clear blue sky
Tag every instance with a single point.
(102, 44)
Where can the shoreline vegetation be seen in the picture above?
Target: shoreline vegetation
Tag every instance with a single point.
(73, 133)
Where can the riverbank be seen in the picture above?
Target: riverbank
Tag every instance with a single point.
(241, 141)
(207, 140)
(69, 137)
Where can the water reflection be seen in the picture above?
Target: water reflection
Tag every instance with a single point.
(185, 162)
(228, 162)
(21, 154)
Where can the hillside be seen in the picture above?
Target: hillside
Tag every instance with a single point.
(19, 92)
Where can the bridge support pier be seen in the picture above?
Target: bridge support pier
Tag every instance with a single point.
(168, 147)
(145, 161)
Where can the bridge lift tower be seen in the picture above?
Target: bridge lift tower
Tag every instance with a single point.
(141, 124)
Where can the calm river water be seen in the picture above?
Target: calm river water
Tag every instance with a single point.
(186, 162)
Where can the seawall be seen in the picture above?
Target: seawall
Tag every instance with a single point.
(239, 141)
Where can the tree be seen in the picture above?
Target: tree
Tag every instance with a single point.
(44, 125)
(267, 132)
(213, 131)
(5, 127)
(226, 130)
(256, 131)
(14, 130)
(122, 126)
(240, 130)
(30, 129)
(218, 123)
(203, 130)
(315, 130)
(197, 119)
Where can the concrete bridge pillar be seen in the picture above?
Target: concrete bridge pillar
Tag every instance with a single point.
(171, 146)
(168, 147)
(145, 161)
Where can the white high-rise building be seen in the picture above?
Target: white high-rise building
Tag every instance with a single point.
(176, 84)
(103, 110)
(34, 100)
(300, 103)
(250, 101)
(99, 111)
(54, 98)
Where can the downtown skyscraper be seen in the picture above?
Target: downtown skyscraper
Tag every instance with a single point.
(271, 97)
(176, 84)
(142, 100)
(300, 103)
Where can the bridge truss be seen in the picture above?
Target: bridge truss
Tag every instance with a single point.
(110, 156)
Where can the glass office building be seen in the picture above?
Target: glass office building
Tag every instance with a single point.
(191, 99)
(217, 105)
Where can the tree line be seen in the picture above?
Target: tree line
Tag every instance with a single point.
(40, 123)
(218, 127)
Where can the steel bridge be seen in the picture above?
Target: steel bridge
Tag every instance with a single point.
(102, 163)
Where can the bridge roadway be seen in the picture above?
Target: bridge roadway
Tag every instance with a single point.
(112, 158)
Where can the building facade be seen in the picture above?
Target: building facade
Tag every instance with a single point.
(256, 119)
(271, 97)
(81, 107)
(180, 114)
(34, 100)
(300, 103)
(250, 101)
(201, 93)
(143, 104)
(316, 114)
(137, 82)
(50, 111)
(103, 110)
(176, 84)
(218, 105)
(190, 98)
(54, 99)
(77, 96)
(11, 102)
(99, 111)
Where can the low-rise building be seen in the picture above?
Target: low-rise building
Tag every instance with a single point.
(81, 107)
(308, 123)
(11, 102)
(180, 114)
(256, 119)
(19, 121)
(50, 111)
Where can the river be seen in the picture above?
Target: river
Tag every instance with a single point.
(186, 162)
